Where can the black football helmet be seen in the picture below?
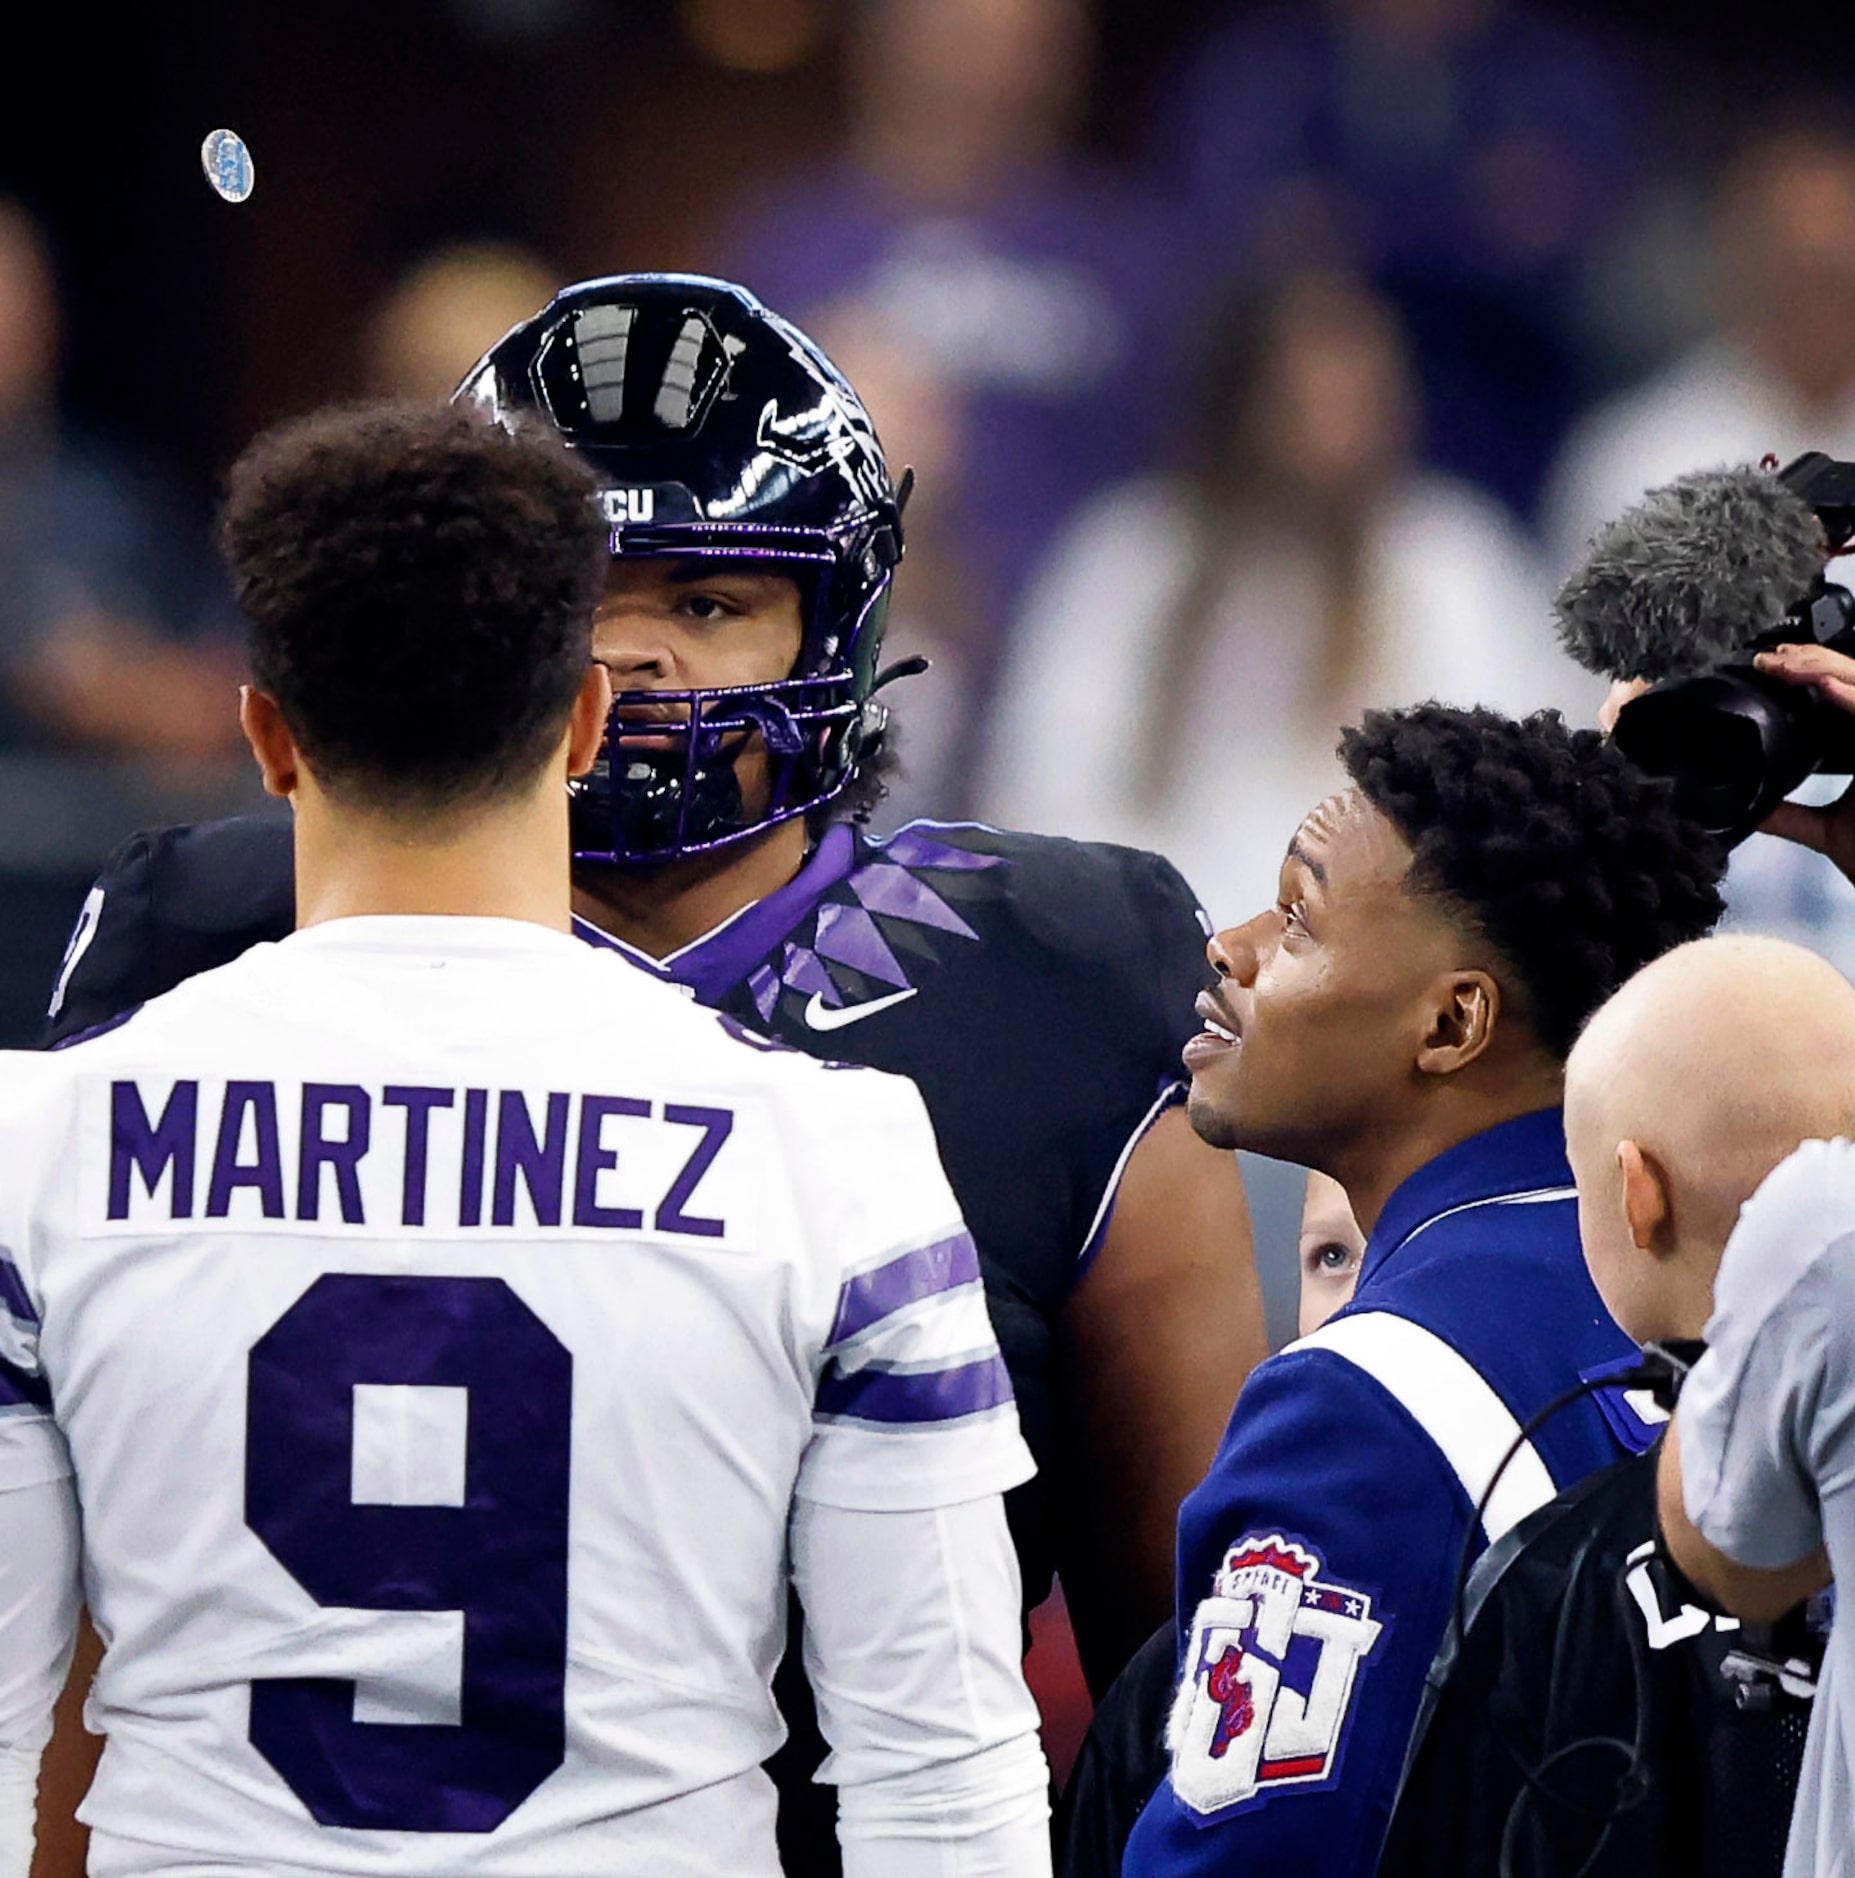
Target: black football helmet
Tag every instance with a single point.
(716, 428)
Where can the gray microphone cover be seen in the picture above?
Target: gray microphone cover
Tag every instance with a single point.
(1687, 577)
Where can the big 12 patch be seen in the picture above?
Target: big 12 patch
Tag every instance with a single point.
(1266, 1693)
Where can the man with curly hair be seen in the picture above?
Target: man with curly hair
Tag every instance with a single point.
(1400, 1020)
(462, 1339)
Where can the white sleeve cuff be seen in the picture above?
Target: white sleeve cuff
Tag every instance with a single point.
(984, 1817)
(19, 1806)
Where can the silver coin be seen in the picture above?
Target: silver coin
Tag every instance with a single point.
(228, 165)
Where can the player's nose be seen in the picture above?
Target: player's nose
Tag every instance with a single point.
(631, 648)
(1233, 952)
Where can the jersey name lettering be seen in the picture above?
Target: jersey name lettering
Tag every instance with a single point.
(411, 1155)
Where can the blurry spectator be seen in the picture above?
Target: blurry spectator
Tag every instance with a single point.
(1187, 657)
(1037, 288)
(1778, 377)
(446, 310)
(1470, 155)
(1779, 374)
(934, 613)
(114, 636)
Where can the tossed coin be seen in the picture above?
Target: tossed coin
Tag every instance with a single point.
(228, 165)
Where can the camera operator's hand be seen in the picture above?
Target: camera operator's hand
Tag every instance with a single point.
(1621, 691)
(1831, 675)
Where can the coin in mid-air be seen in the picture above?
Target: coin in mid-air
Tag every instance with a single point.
(228, 165)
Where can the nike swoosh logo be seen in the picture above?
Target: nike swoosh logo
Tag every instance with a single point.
(821, 1016)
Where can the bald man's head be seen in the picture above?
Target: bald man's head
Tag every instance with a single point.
(1683, 1092)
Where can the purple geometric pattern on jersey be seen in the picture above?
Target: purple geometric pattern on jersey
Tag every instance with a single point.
(888, 887)
(927, 1271)
(848, 935)
(714, 966)
(763, 982)
(928, 1395)
(913, 846)
(803, 970)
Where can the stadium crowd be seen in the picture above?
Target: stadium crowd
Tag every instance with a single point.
(1409, 1434)
(1254, 383)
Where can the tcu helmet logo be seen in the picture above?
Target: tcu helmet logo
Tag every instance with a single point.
(1268, 1681)
(628, 505)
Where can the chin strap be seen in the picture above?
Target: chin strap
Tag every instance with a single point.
(910, 667)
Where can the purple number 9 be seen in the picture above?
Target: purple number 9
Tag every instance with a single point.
(500, 1557)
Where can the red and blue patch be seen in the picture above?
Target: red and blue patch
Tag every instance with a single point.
(1273, 1660)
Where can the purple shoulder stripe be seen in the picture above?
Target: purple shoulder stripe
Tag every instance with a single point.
(13, 1299)
(872, 1295)
(19, 1387)
(916, 1396)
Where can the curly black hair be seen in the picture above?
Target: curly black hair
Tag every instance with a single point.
(1573, 863)
(419, 585)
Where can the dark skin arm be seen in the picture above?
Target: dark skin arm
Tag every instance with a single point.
(1155, 1343)
(65, 1773)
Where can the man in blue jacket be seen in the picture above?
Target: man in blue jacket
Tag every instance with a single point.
(1400, 1021)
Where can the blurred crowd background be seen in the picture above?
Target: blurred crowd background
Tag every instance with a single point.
(1257, 361)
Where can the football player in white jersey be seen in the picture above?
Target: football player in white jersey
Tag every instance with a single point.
(435, 1344)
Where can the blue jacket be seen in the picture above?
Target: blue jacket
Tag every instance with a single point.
(1318, 1557)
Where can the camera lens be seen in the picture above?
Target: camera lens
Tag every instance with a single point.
(1734, 742)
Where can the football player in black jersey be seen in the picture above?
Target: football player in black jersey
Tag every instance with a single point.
(1037, 990)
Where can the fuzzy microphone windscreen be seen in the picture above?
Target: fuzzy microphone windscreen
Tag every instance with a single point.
(1687, 577)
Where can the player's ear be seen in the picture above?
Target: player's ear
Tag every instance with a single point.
(586, 727)
(1464, 1010)
(270, 740)
(1648, 1208)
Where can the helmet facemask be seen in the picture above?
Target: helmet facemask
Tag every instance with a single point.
(666, 782)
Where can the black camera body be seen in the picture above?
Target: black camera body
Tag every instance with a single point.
(1734, 741)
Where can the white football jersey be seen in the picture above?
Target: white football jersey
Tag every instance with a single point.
(441, 1318)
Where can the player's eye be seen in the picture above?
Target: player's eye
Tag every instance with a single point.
(1294, 914)
(705, 606)
(1333, 1257)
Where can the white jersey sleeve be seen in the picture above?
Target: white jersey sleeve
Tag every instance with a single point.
(1764, 1414)
(31, 1448)
(39, 1598)
(912, 1646)
(913, 1406)
(39, 1535)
